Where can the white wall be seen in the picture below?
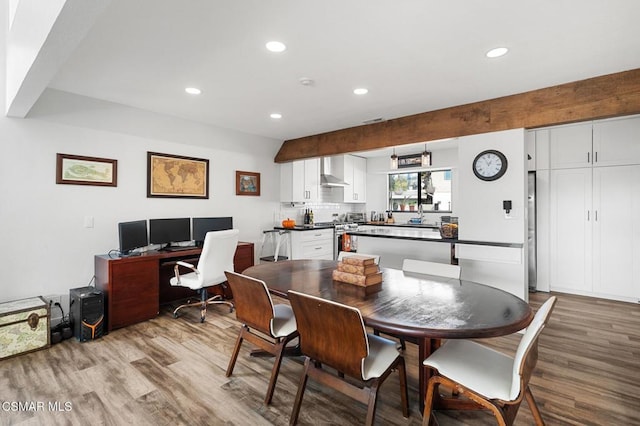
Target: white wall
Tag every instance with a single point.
(46, 250)
(480, 211)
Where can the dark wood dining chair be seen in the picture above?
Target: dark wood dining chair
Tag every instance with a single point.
(490, 379)
(260, 318)
(334, 335)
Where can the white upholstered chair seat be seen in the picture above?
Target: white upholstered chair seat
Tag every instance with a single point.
(284, 322)
(193, 281)
(481, 369)
(382, 353)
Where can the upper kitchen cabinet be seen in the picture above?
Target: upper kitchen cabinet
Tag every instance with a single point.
(353, 170)
(616, 142)
(300, 181)
(570, 146)
(613, 142)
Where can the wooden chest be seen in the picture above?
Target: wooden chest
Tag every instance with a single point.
(24, 326)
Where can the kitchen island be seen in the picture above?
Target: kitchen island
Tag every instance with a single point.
(498, 264)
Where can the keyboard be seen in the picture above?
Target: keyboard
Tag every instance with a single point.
(179, 248)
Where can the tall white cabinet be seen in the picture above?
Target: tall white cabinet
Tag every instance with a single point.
(594, 202)
(353, 170)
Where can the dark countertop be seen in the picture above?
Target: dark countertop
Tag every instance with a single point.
(329, 225)
(404, 225)
(429, 235)
(305, 227)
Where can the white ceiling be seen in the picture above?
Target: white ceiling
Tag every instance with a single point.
(412, 55)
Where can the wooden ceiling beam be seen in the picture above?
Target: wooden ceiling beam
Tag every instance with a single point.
(599, 97)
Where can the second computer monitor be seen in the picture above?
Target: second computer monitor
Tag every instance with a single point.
(167, 231)
(202, 225)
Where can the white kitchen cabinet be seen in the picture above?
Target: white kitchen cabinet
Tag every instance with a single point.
(571, 232)
(300, 181)
(616, 231)
(570, 146)
(312, 244)
(595, 238)
(530, 141)
(355, 173)
(614, 142)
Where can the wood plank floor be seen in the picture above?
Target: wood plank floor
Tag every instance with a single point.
(171, 372)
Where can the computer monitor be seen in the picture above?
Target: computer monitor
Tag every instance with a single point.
(167, 231)
(132, 235)
(202, 225)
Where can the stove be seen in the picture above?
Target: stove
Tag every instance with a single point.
(344, 242)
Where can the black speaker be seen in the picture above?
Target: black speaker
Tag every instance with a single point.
(86, 313)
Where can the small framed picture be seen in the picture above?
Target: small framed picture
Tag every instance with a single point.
(79, 170)
(247, 183)
(412, 160)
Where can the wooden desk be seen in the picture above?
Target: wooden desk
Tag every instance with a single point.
(134, 287)
(424, 308)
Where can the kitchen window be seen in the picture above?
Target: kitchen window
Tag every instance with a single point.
(431, 189)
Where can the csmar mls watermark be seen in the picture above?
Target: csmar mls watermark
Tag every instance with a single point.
(36, 406)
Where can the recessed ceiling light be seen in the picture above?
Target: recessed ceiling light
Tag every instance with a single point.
(193, 90)
(497, 52)
(275, 115)
(276, 46)
(360, 91)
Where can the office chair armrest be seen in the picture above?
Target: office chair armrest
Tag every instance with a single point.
(187, 265)
(176, 269)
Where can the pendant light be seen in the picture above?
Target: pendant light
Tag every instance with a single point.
(426, 157)
(394, 160)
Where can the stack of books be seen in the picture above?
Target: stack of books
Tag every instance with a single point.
(358, 270)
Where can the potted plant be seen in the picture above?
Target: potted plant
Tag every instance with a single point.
(404, 202)
(412, 205)
(400, 185)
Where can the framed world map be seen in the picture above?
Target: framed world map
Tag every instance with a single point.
(175, 176)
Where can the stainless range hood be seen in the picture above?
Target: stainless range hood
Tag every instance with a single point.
(326, 178)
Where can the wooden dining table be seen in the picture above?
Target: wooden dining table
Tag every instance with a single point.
(421, 308)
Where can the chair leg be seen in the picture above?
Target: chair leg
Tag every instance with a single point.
(537, 417)
(236, 351)
(279, 350)
(404, 395)
(371, 406)
(301, 387)
(432, 389)
(203, 304)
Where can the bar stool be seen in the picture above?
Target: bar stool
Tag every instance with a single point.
(274, 239)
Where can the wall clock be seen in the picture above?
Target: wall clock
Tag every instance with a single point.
(490, 165)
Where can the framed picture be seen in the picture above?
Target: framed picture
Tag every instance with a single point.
(175, 176)
(247, 183)
(78, 170)
(413, 160)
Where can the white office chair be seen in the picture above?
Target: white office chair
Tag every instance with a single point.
(216, 257)
(487, 377)
(343, 254)
(431, 268)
